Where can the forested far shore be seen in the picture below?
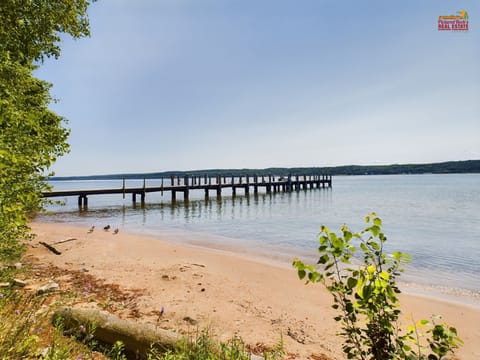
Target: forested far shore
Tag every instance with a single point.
(449, 167)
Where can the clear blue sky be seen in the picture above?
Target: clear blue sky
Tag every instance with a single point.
(195, 84)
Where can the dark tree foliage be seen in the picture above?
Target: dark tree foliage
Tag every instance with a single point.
(459, 167)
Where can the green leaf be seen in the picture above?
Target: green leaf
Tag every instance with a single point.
(322, 248)
(367, 291)
(333, 237)
(384, 275)
(363, 247)
(323, 240)
(298, 264)
(360, 292)
(347, 235)
(351, 282)
(406, 258)
(391, 294)
(374, 245)
(349, 308)
(302, 274)
(314, 276)
(323, 259)
(375, 230)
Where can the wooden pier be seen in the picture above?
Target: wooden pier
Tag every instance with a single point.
(185, 184)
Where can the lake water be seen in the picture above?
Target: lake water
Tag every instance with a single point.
(435, 218)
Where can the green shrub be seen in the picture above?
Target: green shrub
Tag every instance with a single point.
(366, 297)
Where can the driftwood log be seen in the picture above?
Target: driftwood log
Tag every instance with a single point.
(137, 337)
(50, 247)
(64, 241)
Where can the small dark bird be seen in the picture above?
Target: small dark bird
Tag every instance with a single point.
(106, 228)
(91, 229)
(115, 231)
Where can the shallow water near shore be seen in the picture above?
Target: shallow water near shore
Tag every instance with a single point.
(434, 218)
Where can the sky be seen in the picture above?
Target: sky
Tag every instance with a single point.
(206, 84)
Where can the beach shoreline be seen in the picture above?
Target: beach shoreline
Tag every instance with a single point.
(413, 281)
(236, 294)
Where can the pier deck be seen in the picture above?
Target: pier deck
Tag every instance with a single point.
(185, 184)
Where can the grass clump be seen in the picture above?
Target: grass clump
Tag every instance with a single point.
(19, 331)
(204, 347)
(26, 331)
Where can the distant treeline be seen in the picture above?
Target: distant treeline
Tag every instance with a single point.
(450, 167)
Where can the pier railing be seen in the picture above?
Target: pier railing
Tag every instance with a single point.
(185, 184)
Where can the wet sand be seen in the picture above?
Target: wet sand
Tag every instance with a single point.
(234, 294)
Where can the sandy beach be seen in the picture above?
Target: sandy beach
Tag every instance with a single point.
(233, 294)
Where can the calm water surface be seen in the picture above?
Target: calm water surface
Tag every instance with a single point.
(435, 218)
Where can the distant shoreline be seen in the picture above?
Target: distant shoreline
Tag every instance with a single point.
(448, 167)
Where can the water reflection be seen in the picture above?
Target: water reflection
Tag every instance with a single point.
(207, 210)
